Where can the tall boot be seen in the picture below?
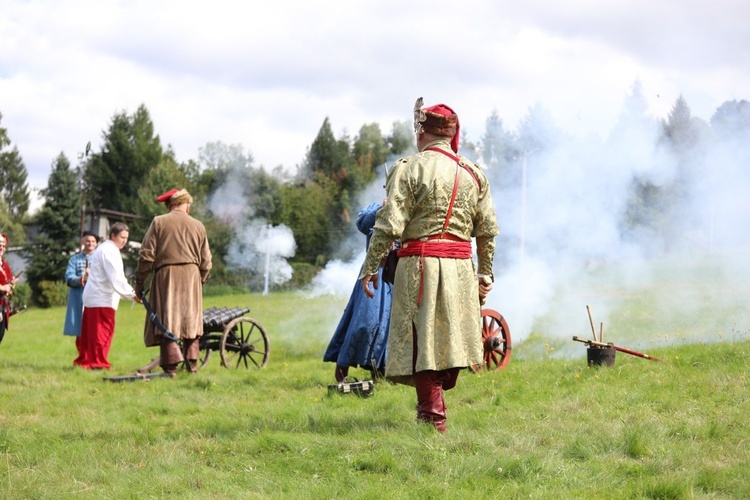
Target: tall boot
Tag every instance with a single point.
(430, 399)
(170, 357)
(191, 351)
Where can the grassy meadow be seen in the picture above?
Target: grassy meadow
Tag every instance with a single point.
(547, 426)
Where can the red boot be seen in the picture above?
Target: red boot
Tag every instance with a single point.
(430, 399)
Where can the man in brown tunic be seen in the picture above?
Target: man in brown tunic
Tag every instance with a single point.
(175, 250)
(437, 202)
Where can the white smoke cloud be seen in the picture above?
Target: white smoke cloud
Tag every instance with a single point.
(256, 247)
(263, 250)
(568, 248)
(228, 203)
(338, 277)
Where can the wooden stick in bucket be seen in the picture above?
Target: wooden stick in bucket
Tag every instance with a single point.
(591, 320)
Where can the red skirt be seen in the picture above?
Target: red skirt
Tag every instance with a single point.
(97, 330)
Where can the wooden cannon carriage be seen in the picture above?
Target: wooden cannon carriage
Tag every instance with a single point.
(240, 340)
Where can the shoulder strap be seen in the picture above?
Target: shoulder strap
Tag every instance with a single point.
(458, 160)
(455, 185)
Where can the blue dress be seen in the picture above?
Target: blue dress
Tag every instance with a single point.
(362, 334)
(76, 267)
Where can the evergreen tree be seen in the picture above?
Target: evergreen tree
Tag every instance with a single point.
(165, 176)
(687, 137)
(10, 226)
(632, 146)
(58, 225)
(662, 188)
(129, 154)
(731, 121)
(327, 155)
(683, 132)
(14, 189)
(499, 153)
(334, 174)
(402, 140)
(537, 131)
(370, 147)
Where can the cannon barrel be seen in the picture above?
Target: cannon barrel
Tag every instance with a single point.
(218, 317)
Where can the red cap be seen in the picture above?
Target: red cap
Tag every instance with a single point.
(445, 110)
(166, 196)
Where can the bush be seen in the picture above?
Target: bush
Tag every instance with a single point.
(52, 293)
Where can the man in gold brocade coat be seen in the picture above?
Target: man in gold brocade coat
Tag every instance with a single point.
(436, 203)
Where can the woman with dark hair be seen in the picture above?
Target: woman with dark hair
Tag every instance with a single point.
(76, 275)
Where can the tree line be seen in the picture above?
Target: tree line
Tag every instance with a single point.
(320, 199)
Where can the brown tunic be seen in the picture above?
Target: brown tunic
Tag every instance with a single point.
(448, 319)
(175, 249)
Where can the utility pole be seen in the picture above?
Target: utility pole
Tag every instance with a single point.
(267, 244)
(523, 211)
(83, 157)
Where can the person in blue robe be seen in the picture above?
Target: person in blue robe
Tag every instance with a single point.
(76, 275)
(362, 334)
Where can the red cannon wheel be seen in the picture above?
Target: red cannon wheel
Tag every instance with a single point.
(244, 343)
(496, 340)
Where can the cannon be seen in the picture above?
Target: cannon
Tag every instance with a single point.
(240, 340)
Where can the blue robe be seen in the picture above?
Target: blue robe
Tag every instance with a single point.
(76, 268)
(362, 333)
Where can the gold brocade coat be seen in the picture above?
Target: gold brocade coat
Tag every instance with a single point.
(175, 249)
(448, 320)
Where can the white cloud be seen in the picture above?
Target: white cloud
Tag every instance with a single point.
(267, 78)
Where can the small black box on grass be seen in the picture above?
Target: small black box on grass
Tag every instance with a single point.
(601, 356)
(362, 388)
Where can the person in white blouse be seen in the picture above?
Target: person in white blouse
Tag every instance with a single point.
(101, 296)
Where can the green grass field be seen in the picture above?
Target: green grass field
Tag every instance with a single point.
(547, 426)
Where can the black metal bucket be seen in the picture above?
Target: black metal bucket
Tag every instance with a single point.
(601, 356)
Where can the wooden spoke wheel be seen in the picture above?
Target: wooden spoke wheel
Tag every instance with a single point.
(203, 356)
(496, 340)
(244, 343)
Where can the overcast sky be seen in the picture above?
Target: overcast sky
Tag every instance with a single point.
(266, 77)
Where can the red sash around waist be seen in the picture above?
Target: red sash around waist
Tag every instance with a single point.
(445, 246)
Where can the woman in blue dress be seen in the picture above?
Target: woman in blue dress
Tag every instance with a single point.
(76, 275)
(362, 334)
